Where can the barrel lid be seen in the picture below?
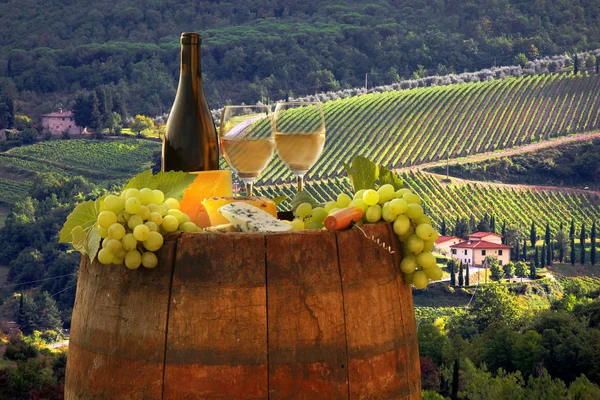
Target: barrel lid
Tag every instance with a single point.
(190, 38)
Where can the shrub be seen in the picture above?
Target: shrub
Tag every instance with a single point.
(19, 350)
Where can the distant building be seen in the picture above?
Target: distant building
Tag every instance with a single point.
(478, 247)
(443, 243)
(59, 122)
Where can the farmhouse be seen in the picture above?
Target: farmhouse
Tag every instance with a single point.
(443, 243)
(478, 247)
(59, 122)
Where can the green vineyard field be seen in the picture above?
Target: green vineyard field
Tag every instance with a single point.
(511, 203)
(416, 126)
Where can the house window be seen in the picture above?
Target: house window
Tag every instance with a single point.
(465, 252)
(453, 251)
(483, 252)
(500, 253)
(500, 261)
(63, 119)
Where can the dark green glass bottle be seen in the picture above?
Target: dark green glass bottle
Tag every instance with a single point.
(190, 142)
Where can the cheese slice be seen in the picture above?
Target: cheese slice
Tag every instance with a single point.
(207, 184)
(248, 218)
(212, 206)
(223, 228)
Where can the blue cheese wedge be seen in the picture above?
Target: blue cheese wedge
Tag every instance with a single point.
(223, 228)
(247, 218)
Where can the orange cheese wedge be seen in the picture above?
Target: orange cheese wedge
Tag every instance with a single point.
(212, 206)
(207, 184)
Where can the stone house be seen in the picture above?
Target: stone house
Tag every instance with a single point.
(58, 122)
(478, 247)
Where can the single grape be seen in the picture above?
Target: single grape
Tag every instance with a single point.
(359, 194)
(408, 278)
(373, 213)
(177, 214)
(141, 232)
(398, 206)
(370, 197)
(404, 238)
(159, 196)
(424, 231)
(171, 204)
(149, 260)
(333, 210)
(163, 209)
(113, 245)
(411, 198)
(146, 196)
(123, 194)
(297, 225)
(343, 200)
(401, 225)
(107, 218)
(423, 219)
(155, 217)
(152, 226)
(170, 223)
(386, 193)
(153, 207)
(120, 257)
(313, 225)
(408, 265)
(330, 205)
(134, 221)
(420, 280)
(144, 212)
(154, 242)
(105, 256)
(428, 246)
(426, 260)
(114, 203)
(358, 203)
(116, 231)
(103, 232)
(132, 205)
(77, 234)
(414, 245)
(188, 227)
(318, 214)
(401, 192)
(386, 213)
(414, 211)
(104, 243)
(435, 274)
(132, 193)
(133, 259)
(303, 210)
(186, 218)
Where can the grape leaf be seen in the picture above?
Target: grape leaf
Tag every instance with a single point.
(93, 243)
(386, 176)
(84, 215)
(303, 197)
(364, 173)
(171, 183)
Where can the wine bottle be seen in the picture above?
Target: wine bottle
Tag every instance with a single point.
(190, 142)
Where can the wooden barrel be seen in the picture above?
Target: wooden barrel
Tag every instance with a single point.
(303, 315)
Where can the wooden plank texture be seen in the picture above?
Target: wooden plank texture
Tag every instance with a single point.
(117, 341)
(217, 339)
(376, 334)
(307, 341)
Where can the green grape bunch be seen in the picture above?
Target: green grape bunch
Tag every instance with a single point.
(403, 209)
(132, 226)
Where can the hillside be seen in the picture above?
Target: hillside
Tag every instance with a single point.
(50, 50)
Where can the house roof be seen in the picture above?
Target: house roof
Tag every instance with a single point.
(443, 239)
(483, 234)
(479, 244)
(65, 114)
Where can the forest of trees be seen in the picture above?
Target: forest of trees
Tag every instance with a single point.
(52, 50)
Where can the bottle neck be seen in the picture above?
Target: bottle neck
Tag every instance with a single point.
(191, 74)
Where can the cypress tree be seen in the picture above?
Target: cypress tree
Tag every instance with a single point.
(472, 225)
(550, 255)
(467, 283)
(572, 229)
(460, 275)
(455, 382)
(517, 251)
(543, 255)
(493, 224)
(504, 232)
(593, 248)
(536, 257)
(524, 250)
(443, 227)
(547, 235)
(575, 64)
(532, 270)
(582, 244)
(452, 267)
(532, 235)
(572, 250)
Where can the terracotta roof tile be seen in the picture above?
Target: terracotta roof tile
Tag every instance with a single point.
(479, 244)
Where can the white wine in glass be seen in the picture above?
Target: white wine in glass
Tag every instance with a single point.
(246, 140)
(299, 129)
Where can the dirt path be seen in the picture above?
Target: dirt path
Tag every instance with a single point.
(507, 152)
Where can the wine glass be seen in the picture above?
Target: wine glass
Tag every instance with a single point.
(246, 141)
(299, 129)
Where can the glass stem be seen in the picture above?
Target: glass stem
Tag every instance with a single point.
(249, 186)
(300, 182)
